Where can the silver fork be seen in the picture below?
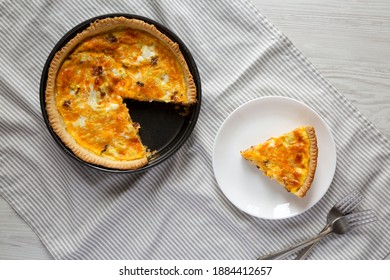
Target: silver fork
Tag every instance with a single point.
(343, 207)
(341, 225)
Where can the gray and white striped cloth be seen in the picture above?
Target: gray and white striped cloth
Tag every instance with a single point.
(176, 210)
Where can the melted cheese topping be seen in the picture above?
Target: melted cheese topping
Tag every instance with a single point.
(102, 71)
(285, 158)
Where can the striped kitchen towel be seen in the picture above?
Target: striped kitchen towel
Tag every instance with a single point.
(176, 210)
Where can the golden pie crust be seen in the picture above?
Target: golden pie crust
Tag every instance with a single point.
(312, 162)
(290, 159)
(68, 128)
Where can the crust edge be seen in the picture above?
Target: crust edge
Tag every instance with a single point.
(312, 163)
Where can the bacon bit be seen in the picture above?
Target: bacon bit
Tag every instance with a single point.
(77, 90)
(66, 103)
(111, 38)
(105, 149)
(174, 97)
(97, 71)
(140, 84)
(298, 158)
(153, 61)
(136, 125)
(97, 81)
(102, 94)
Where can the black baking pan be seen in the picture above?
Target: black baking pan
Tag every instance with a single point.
(163, 128)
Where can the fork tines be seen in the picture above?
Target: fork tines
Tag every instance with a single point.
(361, 218)
(348, 203)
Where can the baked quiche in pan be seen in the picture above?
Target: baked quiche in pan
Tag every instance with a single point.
(89, 78)
(290, 159)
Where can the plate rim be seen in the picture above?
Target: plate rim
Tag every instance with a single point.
(180, 139)
(333, 171)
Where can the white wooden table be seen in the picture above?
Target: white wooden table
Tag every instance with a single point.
(347, 40)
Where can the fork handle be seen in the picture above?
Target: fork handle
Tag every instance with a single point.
(285, 252)
(305, 252)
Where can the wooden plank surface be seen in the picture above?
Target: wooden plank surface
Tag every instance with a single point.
(347, 40)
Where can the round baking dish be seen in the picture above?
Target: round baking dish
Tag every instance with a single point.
(165, 139)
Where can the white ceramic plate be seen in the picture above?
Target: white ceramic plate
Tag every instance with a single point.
(242, 183)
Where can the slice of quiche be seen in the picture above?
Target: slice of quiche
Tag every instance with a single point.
(290, 159)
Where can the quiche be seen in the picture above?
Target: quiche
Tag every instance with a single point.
(290, 159)
(89, 78)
